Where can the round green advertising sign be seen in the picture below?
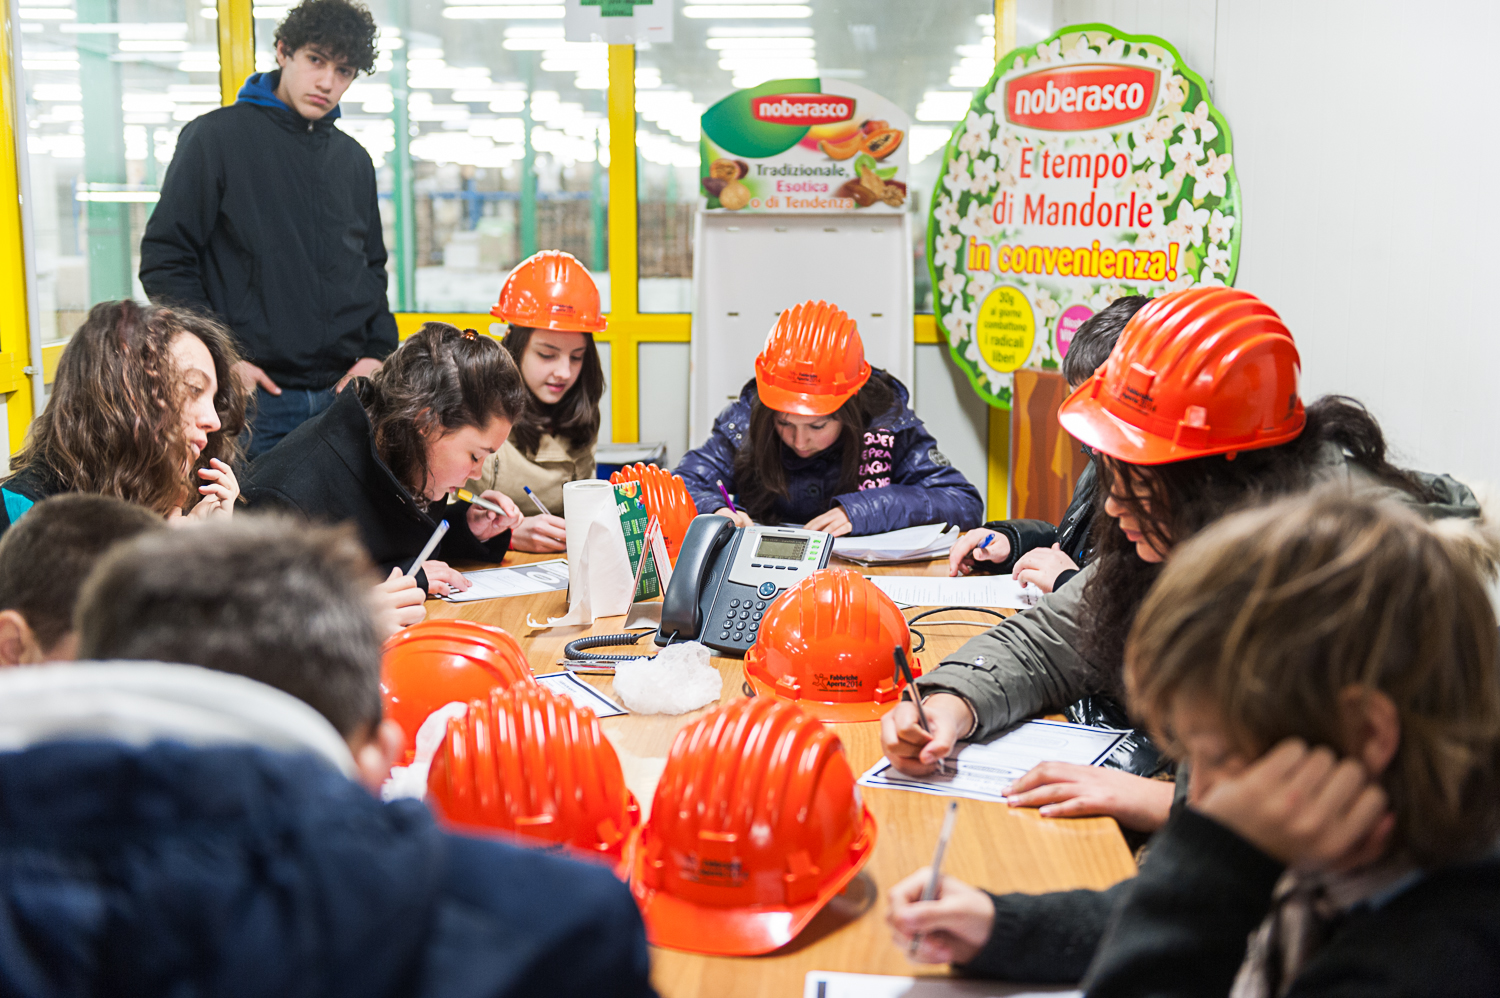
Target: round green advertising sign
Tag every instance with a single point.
(1091, 167)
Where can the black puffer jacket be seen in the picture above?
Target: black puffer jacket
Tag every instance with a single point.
(1071, 534)
(270, 222)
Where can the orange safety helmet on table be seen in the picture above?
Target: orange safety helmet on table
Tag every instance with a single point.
(666, 497)
(527, 761)
(437, 662)
(813, 361)
(1194, 373)
(755, 826)
(828, 643)
(551, 290)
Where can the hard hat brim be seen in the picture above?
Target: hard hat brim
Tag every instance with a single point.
(833, 713)
(557, 325)
(1086, 417)
(676, 924)
(802, 403)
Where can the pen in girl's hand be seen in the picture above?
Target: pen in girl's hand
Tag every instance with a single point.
(930, 892)
(474, 500)
(989, 538)
(544, 509)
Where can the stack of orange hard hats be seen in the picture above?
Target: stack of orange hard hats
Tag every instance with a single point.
(526, 761)
(829, 643)
(551, 290)
(1194, 373)
(666, 498)
(755, 826)
(813, 361)
(437, 662)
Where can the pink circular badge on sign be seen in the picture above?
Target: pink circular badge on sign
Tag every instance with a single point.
(1067, 325)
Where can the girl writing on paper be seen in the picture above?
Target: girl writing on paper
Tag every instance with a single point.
(392, 447)
(822, 438)
(144, 408)
(552, 306)
(1196, 414)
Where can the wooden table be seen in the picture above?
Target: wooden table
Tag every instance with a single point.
(993, 846)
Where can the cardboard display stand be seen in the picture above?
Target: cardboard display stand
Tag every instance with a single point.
(800, 219)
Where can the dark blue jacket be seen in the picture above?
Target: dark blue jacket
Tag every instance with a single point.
(906, 480)
(169, 870)
(271, 222)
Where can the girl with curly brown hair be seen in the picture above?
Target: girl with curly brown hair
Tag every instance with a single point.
(144, 408)
(390, 450)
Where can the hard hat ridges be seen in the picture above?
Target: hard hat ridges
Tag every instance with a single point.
(666, 497)
(829, 644)
(530, 762)
(813, 360)
(551, 290)
(755, 825)
(1195, 373)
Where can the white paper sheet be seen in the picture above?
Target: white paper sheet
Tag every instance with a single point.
(599, 568)
(971, 590)
(581, 693)
(826, 984)
(931, 540)
(519, 580)
(985, 772)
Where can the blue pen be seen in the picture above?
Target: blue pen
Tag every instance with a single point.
(986, 542)
(544, 509)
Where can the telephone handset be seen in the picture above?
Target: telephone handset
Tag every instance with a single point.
(727, 576)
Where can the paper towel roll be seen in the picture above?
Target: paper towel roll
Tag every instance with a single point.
(599, 574)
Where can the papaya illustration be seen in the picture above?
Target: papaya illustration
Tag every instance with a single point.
(882, 143)
(874, 125)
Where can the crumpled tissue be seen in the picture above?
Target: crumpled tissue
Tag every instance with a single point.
(411, 781)
(678, 679)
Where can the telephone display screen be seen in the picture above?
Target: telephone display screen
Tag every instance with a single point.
(781, 548)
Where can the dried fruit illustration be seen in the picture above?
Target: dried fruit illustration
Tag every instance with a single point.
(734, 196)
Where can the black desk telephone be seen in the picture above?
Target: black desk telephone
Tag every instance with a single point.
(726, 577)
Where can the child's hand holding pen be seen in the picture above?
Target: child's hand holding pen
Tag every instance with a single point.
(980, 544)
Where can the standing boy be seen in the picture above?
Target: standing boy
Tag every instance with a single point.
(268, 218)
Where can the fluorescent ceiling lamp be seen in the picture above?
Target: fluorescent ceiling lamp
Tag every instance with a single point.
(198, 65)
(777, 65)
(148, 102)
(800, 44)
(47, 14)
(944, 105)
(928, 139)
(535, 31)
(760, 31)
(191, 92)
(152, 45)
(212, 13)
(43, 64)
(144, 197)
(147, 30)
(490, 13)
(745, 11)
(56, 91)
(269, 13)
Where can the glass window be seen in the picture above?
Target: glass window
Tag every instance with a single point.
(927, 58)
(108, 85)
(504, 149)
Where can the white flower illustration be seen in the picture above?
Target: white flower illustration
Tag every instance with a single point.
(1220, 227)
(1199, 119)
(1211, 175)
(1174, 91)
(1150, 139)
(1114, 49)
(1210, 281)
(1044, 303)
(1079, 52)
(1188, 225)
(1185, 153)
(971, 352)
(1154, 238)
(980, 284)
(1217, 260)
(951, 284)
(1183, 281)
(977, 128)
(1050, 53)
(957, 177)
(979, 221)
(946, 214)
(984, 175)
(945, 250)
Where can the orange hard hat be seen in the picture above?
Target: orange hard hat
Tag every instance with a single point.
(436, 662)
(829, 643)
(1194, 373)
(666, 497)
(551, 290)
(527, 761)
(813, 361)
(755, 826)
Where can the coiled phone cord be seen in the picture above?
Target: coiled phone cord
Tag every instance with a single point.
(574, 652)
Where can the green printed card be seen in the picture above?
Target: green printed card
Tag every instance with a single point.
(633, 521)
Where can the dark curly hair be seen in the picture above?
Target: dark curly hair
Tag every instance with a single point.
(342, 29)
(113, 425)
(1173, 502)
(440, 380)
